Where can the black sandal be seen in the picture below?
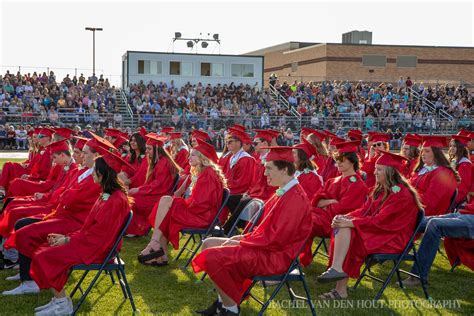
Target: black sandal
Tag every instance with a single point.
(152, 255)
(156, 264)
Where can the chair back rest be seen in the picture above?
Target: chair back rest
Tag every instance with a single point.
(419, 219)
(252, 213)
(452, 203)
(175, 183)
(225, 198)
(113, 252)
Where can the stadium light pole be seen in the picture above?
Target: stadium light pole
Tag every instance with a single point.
(93, 29)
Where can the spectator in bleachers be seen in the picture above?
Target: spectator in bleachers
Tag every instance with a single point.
(21, 138)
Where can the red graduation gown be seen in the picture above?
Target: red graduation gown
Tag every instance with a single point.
(24, 187)
(465, 170)
(369, 168)
(409, 169)
(320, 162)
(435, 189)
(182, 158)
(311, 182)
(20, 208)
(330, 170)
(69, 206)
(13, 170)
(239, 177)
(461, 249)
(50, 265)
(40, 169)
(138, 178)
(196, 211)
(379, 227)
(224, 160)
(350, 192)
(160, 183)
(259, 188)
(268, 250)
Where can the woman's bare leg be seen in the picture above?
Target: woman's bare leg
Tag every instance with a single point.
(342, 241)
(163, 208)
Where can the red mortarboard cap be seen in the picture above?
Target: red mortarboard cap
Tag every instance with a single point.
(112, 132)
(378, 137)
(308, 131)
(355, 134)
(37, 130)
(336, 140)
(175, 135)
(47, 132)
(264, 134)
(462, 139)
(239, 127)
(240, 135)
(115, 162)
(329, 134)
(100, 144)
(120, 141)
(284, 153)
(207, 150)
(155, 139)
(200, 135)
(466, 133)
(435, 141)
(392, 160)
(30, 133)
(142, 131)
(64, 132)
(307, 147)
(166, 129)
(62, 145)
(412, 140)
(348, 147)
(273, 132)
(80, 142)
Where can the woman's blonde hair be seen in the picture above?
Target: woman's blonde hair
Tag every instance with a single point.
(392, 178)
(205, 162)
(320, 147)
(176, 146)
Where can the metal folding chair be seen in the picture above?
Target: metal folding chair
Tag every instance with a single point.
(408, 254)
(214, 229)
(112, 263)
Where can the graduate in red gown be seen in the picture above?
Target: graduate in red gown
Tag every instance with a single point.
(316, 138)
(384, 224)
(179, 150)
(269, 248)
(197, 210)
(40, 167)
(376, 141)
(66, 212)
(13, 170)
(459, 157)
(434, 179)
(330, 169)
(410, 149)
(307, 176)
(239, 170)
(259, 188)
(339, 196)
(135, 176)
(52, 261)
(160, 176)
(19, 208)
(165, 132)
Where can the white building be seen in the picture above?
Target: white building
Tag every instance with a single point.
(183, 68)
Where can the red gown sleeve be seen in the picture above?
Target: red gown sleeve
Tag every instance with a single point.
(239, 177)
(138, 178)
(160, 183)
(353, 194)
(465, 172)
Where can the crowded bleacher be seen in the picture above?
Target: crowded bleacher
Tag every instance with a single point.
(360, 171)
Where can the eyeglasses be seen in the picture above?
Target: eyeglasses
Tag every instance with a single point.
(377, 145)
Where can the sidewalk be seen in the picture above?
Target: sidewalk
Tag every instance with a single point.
(13, 154)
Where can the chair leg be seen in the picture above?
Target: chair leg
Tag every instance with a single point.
(89, 288)
(308, 296)
(183, 248)
(455, 265)
(122, 284)
(127, 287)
(398, 276)
(272, 296)
(389, 278)
(247, 292)
(78, 286)
(422, 279)
(361, 276)
(196, 249)
(111, 276)
(290, 291)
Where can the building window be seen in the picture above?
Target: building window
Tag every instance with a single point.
(406, 61)
(178, 68)
(211, 69)
(242, 70)
(149, 67)
(374, 60)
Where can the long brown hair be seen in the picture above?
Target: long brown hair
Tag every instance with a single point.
(158, 153)
(109, 182)
(392, 178)
(303, 161)
(461, 152)
(440, 160)
(141, 144)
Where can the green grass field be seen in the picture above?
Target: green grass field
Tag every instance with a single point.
(171, 291)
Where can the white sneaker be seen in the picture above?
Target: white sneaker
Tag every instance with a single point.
(24, 288)
(15, 277)
(43, 307)
(61, 306)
